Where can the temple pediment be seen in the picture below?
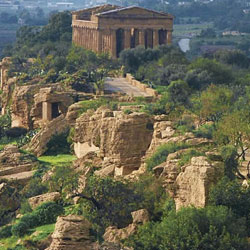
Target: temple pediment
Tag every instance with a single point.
(134, 11)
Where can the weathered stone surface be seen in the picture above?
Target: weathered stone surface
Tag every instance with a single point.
(22, 101)
(38, 144)
(115, 235)
(163, 131)
(9, 200)
(120, 138)
(72, 232)
(73, 113)
(39, 199)
(140, 216)
(15, 165)
(194, 181)
(107, 171)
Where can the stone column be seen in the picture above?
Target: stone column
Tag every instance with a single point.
(113, 43)
(169, 36)
(127, 42)
(142, 37)
(156, 37)
(47, 111)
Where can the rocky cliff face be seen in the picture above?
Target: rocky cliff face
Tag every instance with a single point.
(189, 185)
(22, 100)
(194, 182)
(119, 138)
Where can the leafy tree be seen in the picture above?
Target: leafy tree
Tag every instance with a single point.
(232, 57)
(64, 180)
(231, 194)
(191, 229)
(215, 102)
(220, 73)
(109, 202)
(178, 93)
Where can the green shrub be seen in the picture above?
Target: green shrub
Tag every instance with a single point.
(5, 232)
(34, 187)
(205, 131)
(25, 207)
(92, 104)
(187, 156)
(191, 229)
(58, 144)
(44, 214)
(127, 111)
(31, 220)
(19, 229)
(16, 132)
(231, 194)
(161, 154)
(48, 212)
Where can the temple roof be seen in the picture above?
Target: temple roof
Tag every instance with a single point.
(117, 11)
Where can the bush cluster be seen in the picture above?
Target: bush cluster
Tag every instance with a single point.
(161, 154)
(42, 215)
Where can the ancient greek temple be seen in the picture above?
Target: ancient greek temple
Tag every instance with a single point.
(111, 28)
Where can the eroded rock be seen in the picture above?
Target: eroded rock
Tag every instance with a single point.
(115, 235)
(194, 182)
(39, 199)
(120, 138)
(72, 232)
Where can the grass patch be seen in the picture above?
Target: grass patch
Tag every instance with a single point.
(57, 160)
(42, 233)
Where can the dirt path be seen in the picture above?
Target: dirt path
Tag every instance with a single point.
(121, 85)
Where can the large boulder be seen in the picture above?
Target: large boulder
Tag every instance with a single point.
(39, 199)
(122, 139)
(72, 232)
(194, 182)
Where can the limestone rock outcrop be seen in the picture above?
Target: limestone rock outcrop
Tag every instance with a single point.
(39, 199)
(194, 182)
(72, 232)
(22, 100)
(119, 139)
(189, 185)
(73, 113)
(38, 144)
(115, 235)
